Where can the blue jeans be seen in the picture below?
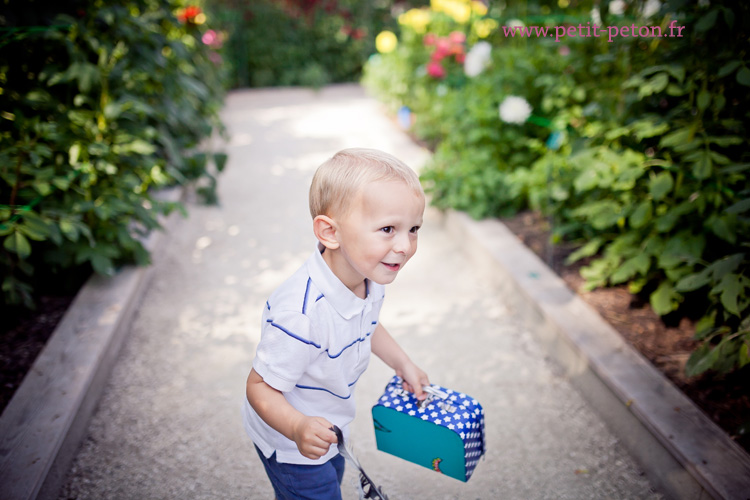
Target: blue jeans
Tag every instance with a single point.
(308, 482)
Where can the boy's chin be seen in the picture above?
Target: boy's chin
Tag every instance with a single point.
(384, 280)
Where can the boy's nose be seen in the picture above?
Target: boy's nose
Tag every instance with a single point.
(401, 244)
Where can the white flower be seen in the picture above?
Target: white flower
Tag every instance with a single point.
(617, 7)
(651, 7)
(515, 23)
(596, 16)
(477, 59)
(514, 110)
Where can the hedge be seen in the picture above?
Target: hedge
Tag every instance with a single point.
(101, 104)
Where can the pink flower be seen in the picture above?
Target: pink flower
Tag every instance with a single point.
(430, 39)
(443, 48)
(435, 70)
(209, 37)
(564, 50)
(457, 37)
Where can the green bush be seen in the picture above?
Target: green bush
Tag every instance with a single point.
(100, 105)
(635, 146)
(298, 42)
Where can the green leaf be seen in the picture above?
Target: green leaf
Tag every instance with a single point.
(706, 22)
(705, 326)
(724, 266)
(138, 146)
(73, 153)
(588, 179)
(102, 265)
(679, 136)
(730, 288)
(635, 265)
(722, 227)
(728, 68)
(18, 244)
(740, 207)
(701, 359)
(69, 229)
(641, 215)
(683, 248)
(659, 82)
(660, 185)
(703, 166)
(727, 140)
(36, 233)
(704, 99)
(743, 76)
(728, 17)
(693, 282)
(664, 299)
(744, 355)
(220, 159)
(586, 250)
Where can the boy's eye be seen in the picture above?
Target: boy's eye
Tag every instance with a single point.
(414, 229)
(387, 229)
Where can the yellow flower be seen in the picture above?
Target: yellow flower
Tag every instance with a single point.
(459, 10)
(417, 19)
(479, 8)
(484, 27)
(385, 42)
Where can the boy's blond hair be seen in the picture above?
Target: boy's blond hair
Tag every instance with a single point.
(338, 180)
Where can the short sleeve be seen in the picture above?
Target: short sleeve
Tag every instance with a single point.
(285, 349)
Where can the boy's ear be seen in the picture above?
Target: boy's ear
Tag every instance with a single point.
(325, 230)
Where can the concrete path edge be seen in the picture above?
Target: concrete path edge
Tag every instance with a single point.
(45, 422)
(679, 447)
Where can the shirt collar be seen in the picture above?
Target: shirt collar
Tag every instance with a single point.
(343, 300)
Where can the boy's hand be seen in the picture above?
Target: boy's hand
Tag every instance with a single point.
(414, 379)
(313, 436)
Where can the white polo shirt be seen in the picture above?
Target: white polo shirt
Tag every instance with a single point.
(314, 346)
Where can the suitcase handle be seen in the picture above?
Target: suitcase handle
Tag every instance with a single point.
(435, 393)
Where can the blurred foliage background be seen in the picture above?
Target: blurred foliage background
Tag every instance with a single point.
(101, 105)
(634, 146)
(298, 42)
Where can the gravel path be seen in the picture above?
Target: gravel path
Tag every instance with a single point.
(168, 425)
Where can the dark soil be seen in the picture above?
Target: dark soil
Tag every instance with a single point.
(23, 337)
(725, 399)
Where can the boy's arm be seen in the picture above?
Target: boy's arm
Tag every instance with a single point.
(387, 349)
(313, 435)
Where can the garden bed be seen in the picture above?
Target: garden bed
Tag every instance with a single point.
(723, 398)
(23, 338)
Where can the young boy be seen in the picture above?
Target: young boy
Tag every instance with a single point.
(320, 326)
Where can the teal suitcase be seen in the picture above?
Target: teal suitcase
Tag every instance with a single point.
(445, 432)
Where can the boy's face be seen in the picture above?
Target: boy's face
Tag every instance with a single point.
(378, 235)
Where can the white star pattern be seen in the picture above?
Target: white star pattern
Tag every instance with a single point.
(440, 412)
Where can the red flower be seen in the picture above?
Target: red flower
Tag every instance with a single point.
(189, 13)
(430, 39)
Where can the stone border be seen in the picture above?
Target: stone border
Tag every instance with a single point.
(684, 453)
(44, 423)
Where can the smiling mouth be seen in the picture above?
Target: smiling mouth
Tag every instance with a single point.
(392, 267)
